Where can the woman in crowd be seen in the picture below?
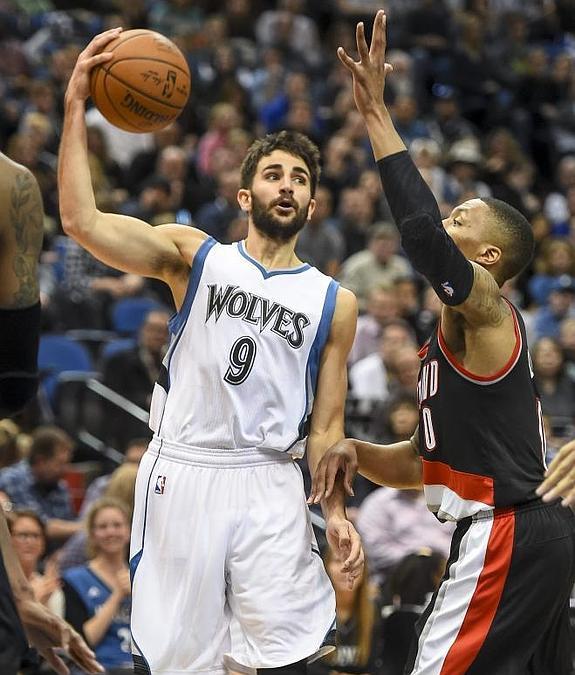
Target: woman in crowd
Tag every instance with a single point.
(98, 594)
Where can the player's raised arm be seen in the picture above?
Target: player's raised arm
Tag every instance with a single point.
(125, 243)
(458, 282)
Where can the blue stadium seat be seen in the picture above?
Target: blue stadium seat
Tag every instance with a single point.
(128, 314)
(115, 346)
(56, 354)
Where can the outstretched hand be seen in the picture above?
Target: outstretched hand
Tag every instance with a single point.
(79, 83)
(370, 71)
(560, 477)
(341, 457)
(346, 545)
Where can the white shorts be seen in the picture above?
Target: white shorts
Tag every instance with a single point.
(224, 562)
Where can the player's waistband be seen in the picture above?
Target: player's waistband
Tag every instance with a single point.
(224, 458)
(503, 512)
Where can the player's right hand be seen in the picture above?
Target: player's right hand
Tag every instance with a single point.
(79, 83)
(342, 456)
(560, 477)
(49, 633)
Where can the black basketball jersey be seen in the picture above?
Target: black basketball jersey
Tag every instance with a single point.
(481, 439)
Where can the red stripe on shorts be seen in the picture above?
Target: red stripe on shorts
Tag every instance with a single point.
(485, 601)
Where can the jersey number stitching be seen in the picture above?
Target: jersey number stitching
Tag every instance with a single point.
(242, 357)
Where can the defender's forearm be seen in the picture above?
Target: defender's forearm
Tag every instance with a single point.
(396, 465)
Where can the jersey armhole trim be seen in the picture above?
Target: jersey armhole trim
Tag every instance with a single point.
(180, 318)
(484, 379)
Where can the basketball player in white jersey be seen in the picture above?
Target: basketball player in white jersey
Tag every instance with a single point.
(223, 558)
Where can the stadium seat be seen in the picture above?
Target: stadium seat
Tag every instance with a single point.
(56, 354)
(115, 346)
(128, 314)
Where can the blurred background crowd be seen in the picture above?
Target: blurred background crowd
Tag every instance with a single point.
(483, 94)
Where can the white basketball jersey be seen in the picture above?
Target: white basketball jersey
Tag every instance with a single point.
(243, 361)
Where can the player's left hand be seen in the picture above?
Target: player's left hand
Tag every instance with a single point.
(560, 477)
(370, 72)
(346, 544)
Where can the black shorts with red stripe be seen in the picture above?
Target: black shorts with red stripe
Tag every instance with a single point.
(502, 607)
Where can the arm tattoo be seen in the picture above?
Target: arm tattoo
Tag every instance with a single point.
(26, 215)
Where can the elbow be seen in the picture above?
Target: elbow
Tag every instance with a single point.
(75, 223)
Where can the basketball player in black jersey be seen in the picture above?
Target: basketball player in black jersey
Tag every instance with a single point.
(502, 606)
(21, 225)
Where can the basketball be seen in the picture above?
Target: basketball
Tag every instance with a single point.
(145, 85)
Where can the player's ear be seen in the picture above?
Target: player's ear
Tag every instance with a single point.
(245, 199)
(311, 208)
(489, 255)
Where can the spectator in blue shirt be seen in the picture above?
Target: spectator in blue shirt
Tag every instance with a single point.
(36, 482)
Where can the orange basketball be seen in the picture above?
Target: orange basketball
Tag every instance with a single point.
(145, 85)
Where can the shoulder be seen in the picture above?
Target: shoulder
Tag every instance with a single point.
(346, 309)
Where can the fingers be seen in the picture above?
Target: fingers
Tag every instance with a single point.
(560, 477)
(100, 41)
(82, 655)
(318, 484)
(346, 59)
(362, 48)
(55, 661)
(333, 467)
(353, 564)
(349, 475)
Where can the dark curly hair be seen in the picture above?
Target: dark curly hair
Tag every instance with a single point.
(292, 142)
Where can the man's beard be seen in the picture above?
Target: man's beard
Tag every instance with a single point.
(273, 227)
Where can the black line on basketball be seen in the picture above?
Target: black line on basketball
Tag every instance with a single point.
(151, 98)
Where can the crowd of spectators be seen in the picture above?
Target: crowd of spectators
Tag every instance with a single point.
(483, 94)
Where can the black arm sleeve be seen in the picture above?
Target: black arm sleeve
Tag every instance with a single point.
(76, 613)
(431, 251)
(19, 335)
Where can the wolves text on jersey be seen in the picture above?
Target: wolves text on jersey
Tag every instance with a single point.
(258, 311)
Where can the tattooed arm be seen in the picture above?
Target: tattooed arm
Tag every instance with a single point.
(21, 225)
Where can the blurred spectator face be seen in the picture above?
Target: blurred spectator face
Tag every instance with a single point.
(370, 181)
(425, 152)
(169, 135)
(297, 85)
(28, 539)
(224, 117)
(48, 471)
(110, 531)
(566, 172)
(382, 305)
(223, 158)
(406, 294)
(431, 302)
(405, 110)
(155, 198)
(446, 107)
(338, 150)
(393, 338)
(403, 419)
(571, 200)
(173, 163)
(323, 205)
(300, 116)
(537, 62)
(562, 68)
(560, 302)
(406, 366)
(354, 126)
(384, 246)
(356, 207)
(517, 28)
(547, 358)
(561, 257)
(42, 97)
(228, 185)
(154, 332)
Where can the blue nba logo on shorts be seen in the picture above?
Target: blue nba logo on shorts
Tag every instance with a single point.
(160, 485)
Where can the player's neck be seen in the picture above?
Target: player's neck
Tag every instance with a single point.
(271, 254)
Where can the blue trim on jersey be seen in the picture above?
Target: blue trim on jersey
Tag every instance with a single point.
(180, 318)
(266, 274)
(316, 350)
(135, 561)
